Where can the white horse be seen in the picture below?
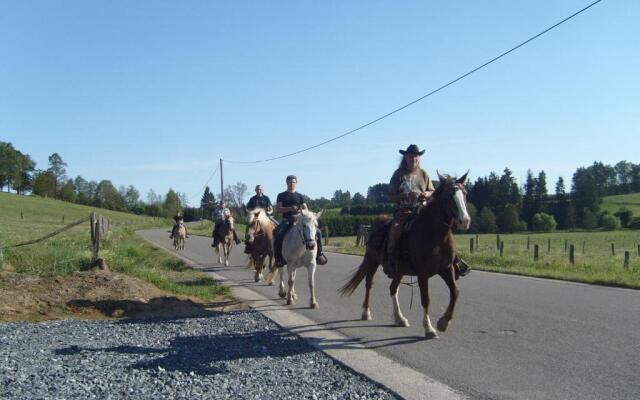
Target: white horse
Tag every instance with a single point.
(299, 250)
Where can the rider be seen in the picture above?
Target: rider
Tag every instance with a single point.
(409, 186)
(179, 221)
(220, 214)
(289, 203)
(258, 201)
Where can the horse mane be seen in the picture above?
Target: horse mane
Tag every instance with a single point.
(306, 216)
(261, 215)
(447, 182)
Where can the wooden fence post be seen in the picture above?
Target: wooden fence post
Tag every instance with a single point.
(613, 249)
(63, 219)
(583, 245)
(471, 245)
(565, 245)
(21, 215)
(571, 255)
(501, 248)
(626, 259)
(92, 222)
(497, 241)
(478, 242)
(535, 252)
(528, 242)
(96, 243)
(639, 249)
(548, 245)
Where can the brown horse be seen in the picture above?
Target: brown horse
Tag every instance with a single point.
(179, 237)
(260, 237)
(430, 249)
(225, 239)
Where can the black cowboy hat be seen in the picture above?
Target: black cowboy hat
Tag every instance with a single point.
(412, 149)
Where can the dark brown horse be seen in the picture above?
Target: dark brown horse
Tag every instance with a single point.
(260, 237)
(429, 248)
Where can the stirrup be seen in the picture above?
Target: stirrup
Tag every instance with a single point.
(461, 267)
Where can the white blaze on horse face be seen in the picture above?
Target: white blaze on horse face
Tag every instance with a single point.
(464, 220)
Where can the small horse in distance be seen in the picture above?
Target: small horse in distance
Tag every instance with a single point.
(179, 237)
(260, 237)
(299, 250)
(430, 250)
(225, 239)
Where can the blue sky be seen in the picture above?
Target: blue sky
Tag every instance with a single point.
(154, 93)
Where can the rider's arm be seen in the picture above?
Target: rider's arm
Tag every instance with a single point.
(282, 209)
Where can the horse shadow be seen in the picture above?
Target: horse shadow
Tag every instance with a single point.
(205, 354)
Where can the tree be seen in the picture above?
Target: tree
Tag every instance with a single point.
(108, 197)
(540, 193)
(584, 192)
(171, 204)
(57, 169)
(625, 215)
(234, 194)
(358, 199)
(44, 184)
(131, 198)
(68, 192)
(560, 190)
(207, 202)
(341, 199)
(508, 219)
(487, 221)
(528, 200)
(610, 222)
(543, 222)
(589, 220)
(378, 193)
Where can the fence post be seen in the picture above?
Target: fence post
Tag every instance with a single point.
(535, 252)
(613, 249)
(497, 241)
(21, 215)
(583, 244)
(63, 219)
(639, 249)
(626, 259)
(571, 255)
(565, 245)
(528, 242)
(478, 242)
(92, 222)
(548, 245)
(96, 243)
(501, 248)
(471, 245)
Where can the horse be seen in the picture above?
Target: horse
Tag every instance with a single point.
(225, 239)
(430, 247)
(299, 250)
(260, 237)
(179, 237)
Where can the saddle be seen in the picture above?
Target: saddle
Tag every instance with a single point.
(381, 240)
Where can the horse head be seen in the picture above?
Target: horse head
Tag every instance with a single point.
(307, 222)
(453, 194)
(257, 221)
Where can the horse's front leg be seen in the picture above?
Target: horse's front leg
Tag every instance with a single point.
(454, 292)
(219, 254)
(270, 267)
(423, 282)
(397, 314)
(291, 292)
(311, 269)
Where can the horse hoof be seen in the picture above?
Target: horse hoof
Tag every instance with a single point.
(290, 302)
(271, 283)
(431, 335)
(366, 316)
(404, 323)
(315, 306)
(282, 295)
(443, 324)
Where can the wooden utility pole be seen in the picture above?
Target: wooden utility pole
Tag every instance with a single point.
(221, 182)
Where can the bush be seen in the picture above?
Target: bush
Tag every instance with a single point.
(346, 225)
(543, 222)
(634, 223)
(610, 222)
(625, 216)
(371, 209)
(589, 220)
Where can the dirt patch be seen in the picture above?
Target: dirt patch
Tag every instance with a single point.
(95, 295)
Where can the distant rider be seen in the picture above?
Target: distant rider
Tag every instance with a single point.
(220, 214)
(179, 221)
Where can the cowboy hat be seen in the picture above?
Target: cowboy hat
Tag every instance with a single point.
(412, 149)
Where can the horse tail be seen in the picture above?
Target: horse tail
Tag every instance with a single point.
(348, 288)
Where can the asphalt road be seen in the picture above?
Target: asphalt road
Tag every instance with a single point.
(511, 338)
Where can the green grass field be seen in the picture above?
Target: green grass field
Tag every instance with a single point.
(595, 265)
(25, 218)
(615, 203)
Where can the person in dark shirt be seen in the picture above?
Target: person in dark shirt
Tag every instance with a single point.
(258, 201)
(179, 221)
(289, 203)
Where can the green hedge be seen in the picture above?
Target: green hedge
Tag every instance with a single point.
(346, 225)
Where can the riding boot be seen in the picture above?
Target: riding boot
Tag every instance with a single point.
(247, 247)
(321, 259)
(235, 237)
(461, 268)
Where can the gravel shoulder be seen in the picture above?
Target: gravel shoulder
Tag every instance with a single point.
(237, 354)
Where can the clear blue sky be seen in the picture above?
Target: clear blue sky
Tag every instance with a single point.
(154, 93)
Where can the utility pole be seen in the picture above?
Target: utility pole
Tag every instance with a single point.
(221, 183)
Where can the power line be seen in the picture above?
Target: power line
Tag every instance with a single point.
(423, 97)
(208, 180)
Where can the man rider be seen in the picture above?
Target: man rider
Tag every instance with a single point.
(220, 213)
(258, 201)
(179, 221)
(289, 203)
(409, 186)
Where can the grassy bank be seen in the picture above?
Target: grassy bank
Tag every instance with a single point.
(27, 218)
(596, 265)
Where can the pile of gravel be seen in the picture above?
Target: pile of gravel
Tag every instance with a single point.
(234, 355)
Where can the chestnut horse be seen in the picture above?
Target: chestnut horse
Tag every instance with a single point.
(225, 239)
(260, 237)
(430, 250)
